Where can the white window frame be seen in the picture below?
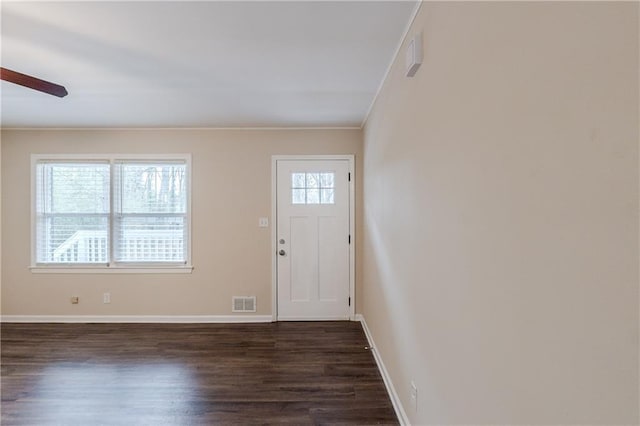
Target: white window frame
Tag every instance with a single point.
(111, 267)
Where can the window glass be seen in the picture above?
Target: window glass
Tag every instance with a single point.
(312, 188)
(151, 211)
(72, 213)
(77, 222)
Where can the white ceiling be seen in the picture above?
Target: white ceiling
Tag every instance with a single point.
(199, 64)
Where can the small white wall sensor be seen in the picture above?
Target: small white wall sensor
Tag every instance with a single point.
(413, 57)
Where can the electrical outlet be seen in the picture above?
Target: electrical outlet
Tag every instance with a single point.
(263, 222)
(106, 298)
(75, 300)
(414, 396)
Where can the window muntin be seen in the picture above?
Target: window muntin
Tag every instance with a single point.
(312, 188)
(113, 212)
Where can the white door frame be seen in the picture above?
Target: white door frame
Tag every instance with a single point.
(274, 225)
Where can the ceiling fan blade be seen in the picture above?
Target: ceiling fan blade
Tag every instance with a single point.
(33, 83)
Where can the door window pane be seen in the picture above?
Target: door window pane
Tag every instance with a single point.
(312, 188)
(299, 196)
(298, 180)
(313, 196)
(326, 180)
(313, 180)
(326, 196)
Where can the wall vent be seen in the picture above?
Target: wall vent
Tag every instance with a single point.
(243, 304)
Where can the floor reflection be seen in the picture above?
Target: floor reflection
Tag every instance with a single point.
(89, 393)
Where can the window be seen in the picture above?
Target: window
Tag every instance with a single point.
(312, 188)
(151, 212)
(72, 219)
(111, 212)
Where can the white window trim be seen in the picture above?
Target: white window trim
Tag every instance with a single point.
(187, 268)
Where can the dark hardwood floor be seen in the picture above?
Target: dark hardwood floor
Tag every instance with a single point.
(190, 374)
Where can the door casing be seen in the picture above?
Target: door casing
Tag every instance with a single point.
(274, 244)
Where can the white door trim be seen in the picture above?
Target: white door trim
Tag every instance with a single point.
(352, 229)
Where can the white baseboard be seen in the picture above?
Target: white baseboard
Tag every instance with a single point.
(393, 395)
(296, 318)
(138, 318)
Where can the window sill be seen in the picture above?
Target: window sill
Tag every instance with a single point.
(111, 270)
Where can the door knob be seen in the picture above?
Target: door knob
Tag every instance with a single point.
(282, 252)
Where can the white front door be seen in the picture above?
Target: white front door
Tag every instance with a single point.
(313, 241)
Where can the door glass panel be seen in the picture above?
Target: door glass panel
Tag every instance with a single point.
(313, 180)
(298, 196)
(326, 196)
(313, 197)
(312, 188)
(326, 180)
(297, 180)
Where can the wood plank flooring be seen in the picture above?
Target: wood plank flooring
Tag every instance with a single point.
(190, 374)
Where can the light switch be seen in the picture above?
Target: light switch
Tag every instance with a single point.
(263, 222)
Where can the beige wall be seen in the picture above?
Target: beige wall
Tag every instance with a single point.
(231, 189)
(501, 215)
